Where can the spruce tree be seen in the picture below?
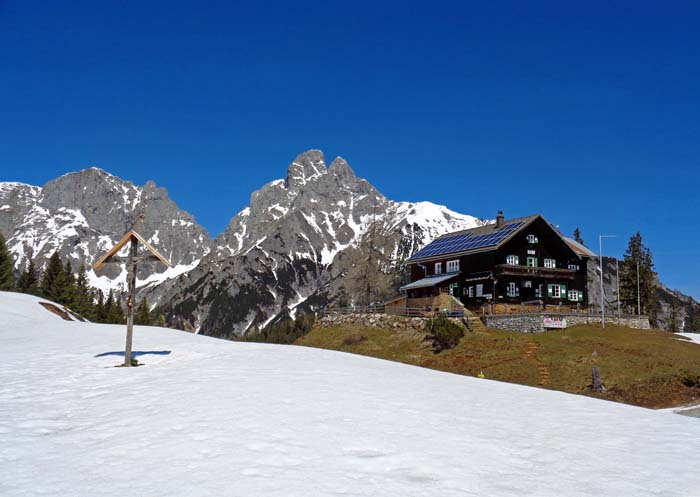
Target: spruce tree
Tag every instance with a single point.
(69, 290)
(7, 276)
(83, 295)
(577, 236)
(100, 311)
(143, 314)
(114, 310)
(673, 317)
(53, 283)
(28, 281)
(638, 255)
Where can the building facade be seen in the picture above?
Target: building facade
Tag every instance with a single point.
(517, 261)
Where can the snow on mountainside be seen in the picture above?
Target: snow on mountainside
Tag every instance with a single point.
(299, 421)
(81, 215)
(284, 252)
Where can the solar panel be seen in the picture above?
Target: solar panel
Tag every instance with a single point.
(467, 241)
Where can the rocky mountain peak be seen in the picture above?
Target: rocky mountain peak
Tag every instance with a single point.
(307, 167)
(340, 168)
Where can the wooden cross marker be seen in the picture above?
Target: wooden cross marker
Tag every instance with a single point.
(110, 257)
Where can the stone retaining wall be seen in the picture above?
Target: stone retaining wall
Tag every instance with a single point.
(534, 323)
(526, 323)
(377, 321)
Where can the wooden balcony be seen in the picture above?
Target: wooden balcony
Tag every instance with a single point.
(534, 272)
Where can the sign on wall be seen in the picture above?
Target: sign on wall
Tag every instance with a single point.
(550, 322)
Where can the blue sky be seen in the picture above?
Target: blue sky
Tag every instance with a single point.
(589, 114)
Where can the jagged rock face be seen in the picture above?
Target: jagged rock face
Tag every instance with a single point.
(82, 215)
(285, 251)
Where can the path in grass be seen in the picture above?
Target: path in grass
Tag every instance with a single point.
(531, 349)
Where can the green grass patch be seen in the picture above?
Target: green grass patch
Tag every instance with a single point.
(648, 368)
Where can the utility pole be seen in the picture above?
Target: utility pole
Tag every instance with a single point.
(639, 299)
(602, 290)
(617, 274)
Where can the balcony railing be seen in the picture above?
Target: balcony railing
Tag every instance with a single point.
(540, 272)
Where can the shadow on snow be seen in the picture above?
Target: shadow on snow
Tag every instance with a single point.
(135, 353)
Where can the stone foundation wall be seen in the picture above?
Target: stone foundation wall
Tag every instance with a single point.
(378, 321)
(534, 323)
(526, 323)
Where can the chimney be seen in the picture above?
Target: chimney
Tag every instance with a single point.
(499, 219)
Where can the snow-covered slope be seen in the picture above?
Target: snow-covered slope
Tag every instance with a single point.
(212, 418)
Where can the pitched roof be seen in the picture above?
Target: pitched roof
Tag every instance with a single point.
(579, 248)
(479, 239)
(429, 281)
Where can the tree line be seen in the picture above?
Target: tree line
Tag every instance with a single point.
(60, 284)
(639, 288)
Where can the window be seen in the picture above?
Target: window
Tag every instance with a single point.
(471, 291)
(531, 252)
(550, 263)
(531, 262)
(512, 260)
(453, 266)
(573, 295)
(527, 284)
(531, 239)
(556, 291)
(479, 290)
(454, 289)
(538, 291)
(438, 268)
(513, 290)
(573, 267)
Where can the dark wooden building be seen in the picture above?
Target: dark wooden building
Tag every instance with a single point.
(524, 260)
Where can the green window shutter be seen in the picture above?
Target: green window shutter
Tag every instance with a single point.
(549, 291)
(563, 291)
(580, 296)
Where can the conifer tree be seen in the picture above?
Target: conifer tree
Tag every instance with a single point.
(638, 255)
(69, 291)
(673, 317)
(577, 236)
(7, 277)
(692, 323)
(83, 296)
(100, 309)
(143, 314)
(113, 309)
(28, 281)
(53, 283)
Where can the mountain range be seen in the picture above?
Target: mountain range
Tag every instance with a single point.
(299, 245)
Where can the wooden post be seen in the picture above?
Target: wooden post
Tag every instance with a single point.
(131, 282)
(597, 383)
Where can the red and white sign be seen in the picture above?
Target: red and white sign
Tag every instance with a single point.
(554, 322)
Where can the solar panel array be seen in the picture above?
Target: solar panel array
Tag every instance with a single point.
(466, 241)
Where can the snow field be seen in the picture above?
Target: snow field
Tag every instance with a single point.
(205, 417)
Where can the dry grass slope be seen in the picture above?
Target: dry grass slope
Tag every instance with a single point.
(647, 368)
